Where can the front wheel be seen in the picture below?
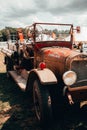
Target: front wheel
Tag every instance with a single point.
(42, 103)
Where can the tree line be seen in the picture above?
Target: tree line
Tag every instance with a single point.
(11, 33)
(8, 33)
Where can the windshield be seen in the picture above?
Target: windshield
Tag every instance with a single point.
(52, 32)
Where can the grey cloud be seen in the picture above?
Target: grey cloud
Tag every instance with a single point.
(22, 12)
(63, 7)
(17, 13)
(42, 5)
(78, 6)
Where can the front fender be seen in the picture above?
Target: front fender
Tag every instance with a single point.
(45, 76)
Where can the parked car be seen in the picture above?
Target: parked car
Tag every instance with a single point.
(49, 68)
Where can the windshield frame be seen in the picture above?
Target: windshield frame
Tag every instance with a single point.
(52, 24)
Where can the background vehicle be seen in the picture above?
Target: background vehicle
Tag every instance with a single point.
(49, 68)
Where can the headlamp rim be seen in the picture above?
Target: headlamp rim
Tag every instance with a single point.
(65, 74)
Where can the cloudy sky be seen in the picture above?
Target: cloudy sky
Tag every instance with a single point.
(21, 13)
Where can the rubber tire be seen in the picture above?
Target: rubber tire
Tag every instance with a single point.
(9, 65)
(76, 107)
(42, 103)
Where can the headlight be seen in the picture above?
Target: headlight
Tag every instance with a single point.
(69, 77)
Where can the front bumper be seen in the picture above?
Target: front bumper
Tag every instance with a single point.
(78, 93)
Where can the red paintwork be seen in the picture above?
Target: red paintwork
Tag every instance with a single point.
(62, 52)
(40, 45)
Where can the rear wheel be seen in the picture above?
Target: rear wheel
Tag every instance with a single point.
(9, 65)
(42, 103)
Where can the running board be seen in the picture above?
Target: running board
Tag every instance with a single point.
(21, 82)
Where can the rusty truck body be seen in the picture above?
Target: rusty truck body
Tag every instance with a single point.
(48, 67)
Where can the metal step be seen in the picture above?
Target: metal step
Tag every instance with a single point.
(21, 82)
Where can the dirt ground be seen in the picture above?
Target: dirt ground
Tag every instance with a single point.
(17, 111)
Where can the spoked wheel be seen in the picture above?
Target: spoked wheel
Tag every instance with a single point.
(42, 103)
(38, 32)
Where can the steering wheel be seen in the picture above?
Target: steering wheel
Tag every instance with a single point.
(39, 33)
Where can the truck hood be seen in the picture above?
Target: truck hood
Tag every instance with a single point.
(63, 54)
(58, 52)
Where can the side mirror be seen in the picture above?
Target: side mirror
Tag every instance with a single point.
(78, 29)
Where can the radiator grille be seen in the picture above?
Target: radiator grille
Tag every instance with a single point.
(80, 68)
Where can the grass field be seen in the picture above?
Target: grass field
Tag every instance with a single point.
(17, 112)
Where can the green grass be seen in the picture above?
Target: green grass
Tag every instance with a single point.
(16, 110)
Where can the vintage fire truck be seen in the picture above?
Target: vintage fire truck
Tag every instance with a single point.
(47, 66)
